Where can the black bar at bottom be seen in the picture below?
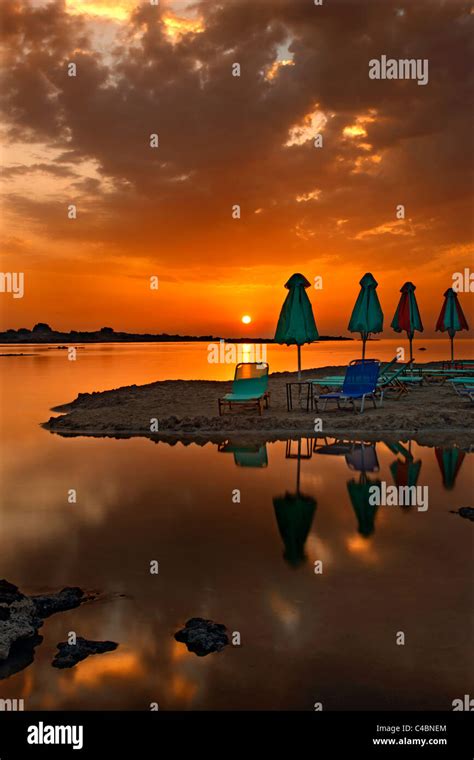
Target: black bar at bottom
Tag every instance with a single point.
(321, 734)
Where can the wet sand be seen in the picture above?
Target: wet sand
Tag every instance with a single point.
(188, 409)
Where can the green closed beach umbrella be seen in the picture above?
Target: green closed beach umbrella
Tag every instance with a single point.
(407, 315)
(367, 315)
(296, 324)
(451, 318)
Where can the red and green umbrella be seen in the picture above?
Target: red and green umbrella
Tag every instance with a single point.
(367, 314)
(407, 316)
(451, 318)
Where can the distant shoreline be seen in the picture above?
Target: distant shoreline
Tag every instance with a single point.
(43, 334)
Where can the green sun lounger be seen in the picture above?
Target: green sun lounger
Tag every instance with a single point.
(445, 374)
(249, 388)
(398, 380)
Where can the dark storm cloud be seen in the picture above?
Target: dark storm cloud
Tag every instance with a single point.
(222, 138)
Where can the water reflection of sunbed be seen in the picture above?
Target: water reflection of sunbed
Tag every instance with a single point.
(360, 457)
(252, 455)
(363, 459)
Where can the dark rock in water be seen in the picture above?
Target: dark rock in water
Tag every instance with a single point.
(70, 654)
(21, 617)
(422, 348)
(66, 599)
(22, 654)
(9, 593)
(203, 636)
(467, 512)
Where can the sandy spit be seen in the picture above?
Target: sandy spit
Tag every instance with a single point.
(186, 410)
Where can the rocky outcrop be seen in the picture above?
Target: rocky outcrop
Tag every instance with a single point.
(21, 617)
(203, 636)
(70, 654)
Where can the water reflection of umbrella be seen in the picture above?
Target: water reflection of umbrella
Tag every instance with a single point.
(360, 493)
(246, 456)
(294, 514)
(406, 471)
(363, 459)
(450, 461)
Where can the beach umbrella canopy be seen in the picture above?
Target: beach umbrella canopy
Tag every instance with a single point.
(296, 324)
(451, 318)
(367, 315)
(450, 461)
(407, 315)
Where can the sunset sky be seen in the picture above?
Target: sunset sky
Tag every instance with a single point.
(226, 140)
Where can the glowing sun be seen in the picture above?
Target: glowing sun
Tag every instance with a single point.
(246, 319)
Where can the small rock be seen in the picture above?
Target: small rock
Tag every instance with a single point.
(70, 654)
(66, 599)
(203, 636)
(18, 621)
(467, 512)
(22, 654)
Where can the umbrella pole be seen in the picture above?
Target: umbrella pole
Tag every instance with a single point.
(299, 362)
(298, 467)
(411, 348)
(363, 345)
(452, 348)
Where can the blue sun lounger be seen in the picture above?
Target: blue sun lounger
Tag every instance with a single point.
(360, 383)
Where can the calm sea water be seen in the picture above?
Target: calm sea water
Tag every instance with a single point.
(305, 637)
